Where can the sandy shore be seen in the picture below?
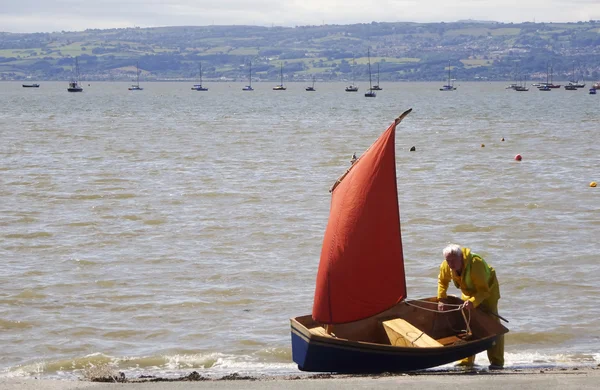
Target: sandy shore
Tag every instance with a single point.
(564, 379)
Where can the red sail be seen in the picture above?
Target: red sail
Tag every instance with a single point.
(361, 271)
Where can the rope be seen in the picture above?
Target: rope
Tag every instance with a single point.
(460, 308)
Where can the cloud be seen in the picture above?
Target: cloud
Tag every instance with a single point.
(70, 15)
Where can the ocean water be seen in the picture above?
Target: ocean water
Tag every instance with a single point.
(168, 230)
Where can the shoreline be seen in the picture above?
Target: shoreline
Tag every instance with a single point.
(535, 378)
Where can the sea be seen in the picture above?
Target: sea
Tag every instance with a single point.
(165, 231)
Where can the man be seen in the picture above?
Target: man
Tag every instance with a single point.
(479, 286)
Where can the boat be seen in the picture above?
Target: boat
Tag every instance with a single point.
(545, 87)
(31, 85)
(280, 87)
(450, 85)
(249, 86)
(573, 83)
(136, 86)
(592, 91)
(377, 87)
(362, 321)
(312, 87)
(596, 85)
(352, 87)
(74, 83)
(370, 92)
(199, 87)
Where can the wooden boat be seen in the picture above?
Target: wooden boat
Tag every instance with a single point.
(74, 83)
(361, 321)
(136, 86)
(199, 87)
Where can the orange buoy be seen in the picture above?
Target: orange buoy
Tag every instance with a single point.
(593, 184)
(518, 157)
(483, 145)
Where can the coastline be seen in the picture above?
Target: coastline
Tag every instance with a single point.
(585, 377)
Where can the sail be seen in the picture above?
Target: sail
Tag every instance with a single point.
(361, 271)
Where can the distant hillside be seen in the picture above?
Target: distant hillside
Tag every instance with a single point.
(477, 50)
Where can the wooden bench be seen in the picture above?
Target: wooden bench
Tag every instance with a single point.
(402, 334)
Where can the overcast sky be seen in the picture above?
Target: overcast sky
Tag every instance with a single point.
(77, 15)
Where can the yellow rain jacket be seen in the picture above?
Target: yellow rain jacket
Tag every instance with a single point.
(478, 282)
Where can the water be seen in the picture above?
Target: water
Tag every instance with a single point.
(170, 230)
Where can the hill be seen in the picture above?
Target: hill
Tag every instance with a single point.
(477, 50)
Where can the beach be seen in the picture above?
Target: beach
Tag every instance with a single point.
(563, 378)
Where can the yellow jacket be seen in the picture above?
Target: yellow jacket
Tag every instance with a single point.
(477, 281)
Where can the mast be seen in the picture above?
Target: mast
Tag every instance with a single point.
(281, 73)
(250, 75)
(200, 73)
(369, 59)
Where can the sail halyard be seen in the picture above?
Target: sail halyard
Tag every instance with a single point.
(361, 271)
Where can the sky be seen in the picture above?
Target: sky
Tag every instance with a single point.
(77, 15)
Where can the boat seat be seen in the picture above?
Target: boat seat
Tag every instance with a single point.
(403, 334)
(319, 331)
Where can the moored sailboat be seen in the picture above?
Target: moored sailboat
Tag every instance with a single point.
(74, 83)
(361, 320)
(280, 87)
(249, 86)
(199, 87)
(136, 86)
(370, 92)
(312, 87)
(352, 87)
(377, 87)
(449, 85)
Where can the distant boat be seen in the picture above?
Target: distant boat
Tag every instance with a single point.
(352, 87)
(574, 83)
(370, 92)
(31, 85)
(74, 83)
(311, 88)
(199, 87)
(280, 87)
(592, 91)
(249, 86)
(136, 86)
(377, 87)
(596, 85)
(546, 86)
(450, 85)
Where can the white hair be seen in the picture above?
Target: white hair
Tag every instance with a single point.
(453, 250)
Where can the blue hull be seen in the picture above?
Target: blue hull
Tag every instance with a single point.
(353, 357)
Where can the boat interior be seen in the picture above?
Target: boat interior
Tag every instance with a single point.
(415, 324)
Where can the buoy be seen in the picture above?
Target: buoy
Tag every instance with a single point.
(518, 157)
(593, 184)
(413, 149)
(483, 145)
(502, 139)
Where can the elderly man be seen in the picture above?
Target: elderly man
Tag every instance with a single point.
(479, 286)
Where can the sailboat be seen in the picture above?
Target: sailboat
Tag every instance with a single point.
(280, 87)
(377, 87)
(352, 87)
(546, 86)
(449, 86)
(574, 84)
(199, 87)
(74, 83)
(370, 92)
(311, 88)
(361, 319)
(249, 86)
(136, 86)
